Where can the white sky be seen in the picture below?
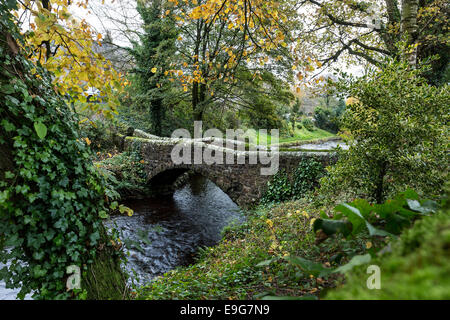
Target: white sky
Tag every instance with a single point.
(117, 16)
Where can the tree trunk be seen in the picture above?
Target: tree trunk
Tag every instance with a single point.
(379, 188)
(157, 116)
(195, 101)
(409, 28)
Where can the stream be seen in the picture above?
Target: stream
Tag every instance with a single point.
(166, 232)
(327, 145)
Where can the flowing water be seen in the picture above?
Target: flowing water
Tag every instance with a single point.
(166, 232)
(327, 145)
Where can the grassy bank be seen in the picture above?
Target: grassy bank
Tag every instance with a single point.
(299, 135)
(231, 271)
(303, 134)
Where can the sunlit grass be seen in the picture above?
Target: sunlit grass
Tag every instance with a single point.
(299, 135)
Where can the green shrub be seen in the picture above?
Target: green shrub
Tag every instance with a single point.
(328, 119)
(125, 174)
(397, 135)
(99, 133)
(386, 219)
(308, 124)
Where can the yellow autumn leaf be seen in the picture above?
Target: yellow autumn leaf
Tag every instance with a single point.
(351, 100)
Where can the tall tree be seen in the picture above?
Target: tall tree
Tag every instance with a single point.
(371, 31)
(152, 56)
(215, 45)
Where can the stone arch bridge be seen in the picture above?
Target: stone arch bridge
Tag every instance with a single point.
(242, 182)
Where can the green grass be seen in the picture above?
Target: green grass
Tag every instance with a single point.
(303, 134)
(299, 135)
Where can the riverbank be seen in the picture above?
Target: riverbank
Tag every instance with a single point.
(300, 135)
(234, 269)
(277, 255)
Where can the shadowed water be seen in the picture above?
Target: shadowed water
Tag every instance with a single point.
(166, 232)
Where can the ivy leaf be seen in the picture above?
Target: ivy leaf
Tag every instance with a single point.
(358, 221)
(314, 268)
(102, 214)
(265, 263)
(41, 129)
(38, 272)
(9, 175)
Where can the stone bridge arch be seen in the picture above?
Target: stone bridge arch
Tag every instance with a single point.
(163, 180)
(243, 183)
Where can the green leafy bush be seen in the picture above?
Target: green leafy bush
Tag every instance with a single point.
(308, 124)
(386, 219)
(278, 189)
(328, 119)
(397, 132)
(125, 174)
(100, 134)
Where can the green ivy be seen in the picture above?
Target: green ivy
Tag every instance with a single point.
(304, 179)
(51, 196)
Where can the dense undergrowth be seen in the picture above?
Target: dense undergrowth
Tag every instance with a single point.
(125, 174)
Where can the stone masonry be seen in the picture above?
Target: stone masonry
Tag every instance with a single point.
(243, 183)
